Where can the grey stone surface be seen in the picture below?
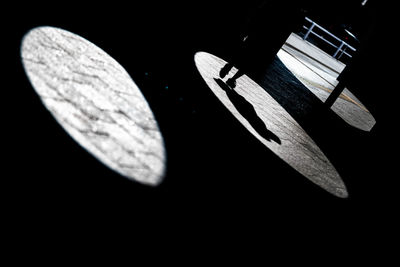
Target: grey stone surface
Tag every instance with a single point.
(288, 140)
(315, 53)
(321, 81)
(96, 102)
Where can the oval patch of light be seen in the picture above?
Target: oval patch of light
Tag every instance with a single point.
(321, 81)
(96, 101)
(271, 124)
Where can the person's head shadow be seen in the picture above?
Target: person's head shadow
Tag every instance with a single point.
(247, 110)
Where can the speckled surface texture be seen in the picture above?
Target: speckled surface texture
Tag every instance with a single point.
(96, 102)
(281, 133)
(321, 80)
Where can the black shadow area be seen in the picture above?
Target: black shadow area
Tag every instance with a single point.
(247, 110)
(320, 123)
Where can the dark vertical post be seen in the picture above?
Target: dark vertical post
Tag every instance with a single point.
(335, 94)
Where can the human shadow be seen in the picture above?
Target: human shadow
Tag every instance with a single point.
(247, 110)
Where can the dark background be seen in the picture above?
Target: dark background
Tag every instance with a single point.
(218, 174)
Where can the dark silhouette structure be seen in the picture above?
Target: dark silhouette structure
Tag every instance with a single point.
(267, 28)
(354, 72)
(272, 21)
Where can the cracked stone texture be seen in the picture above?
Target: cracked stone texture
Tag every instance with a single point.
(295, 146)
(96, 102)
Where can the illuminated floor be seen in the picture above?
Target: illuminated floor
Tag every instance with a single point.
(271, 124)
(321, 80)
(96, 102)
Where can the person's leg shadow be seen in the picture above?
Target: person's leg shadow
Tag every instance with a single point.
(247, 110)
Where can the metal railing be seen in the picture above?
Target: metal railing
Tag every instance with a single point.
(342, 48)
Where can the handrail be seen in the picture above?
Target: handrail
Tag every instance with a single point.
(341, 48)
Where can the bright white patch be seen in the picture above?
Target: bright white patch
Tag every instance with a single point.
(287, 139)
(321, 82)
(96, 102)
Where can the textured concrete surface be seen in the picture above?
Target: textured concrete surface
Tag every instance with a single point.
(318, 56)
(318, 72)
(96, 102)
(271, 124)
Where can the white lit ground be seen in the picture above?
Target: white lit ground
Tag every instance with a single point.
(95, 101)
(281, 134)
(318, 72)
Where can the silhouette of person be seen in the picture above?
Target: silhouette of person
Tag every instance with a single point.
(266, 30)
(247, 110)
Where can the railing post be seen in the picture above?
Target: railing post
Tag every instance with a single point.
(309, 31)
(339, 49)
(341, 54)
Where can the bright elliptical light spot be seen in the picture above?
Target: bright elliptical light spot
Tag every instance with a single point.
(95, 101)
(280, 133)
